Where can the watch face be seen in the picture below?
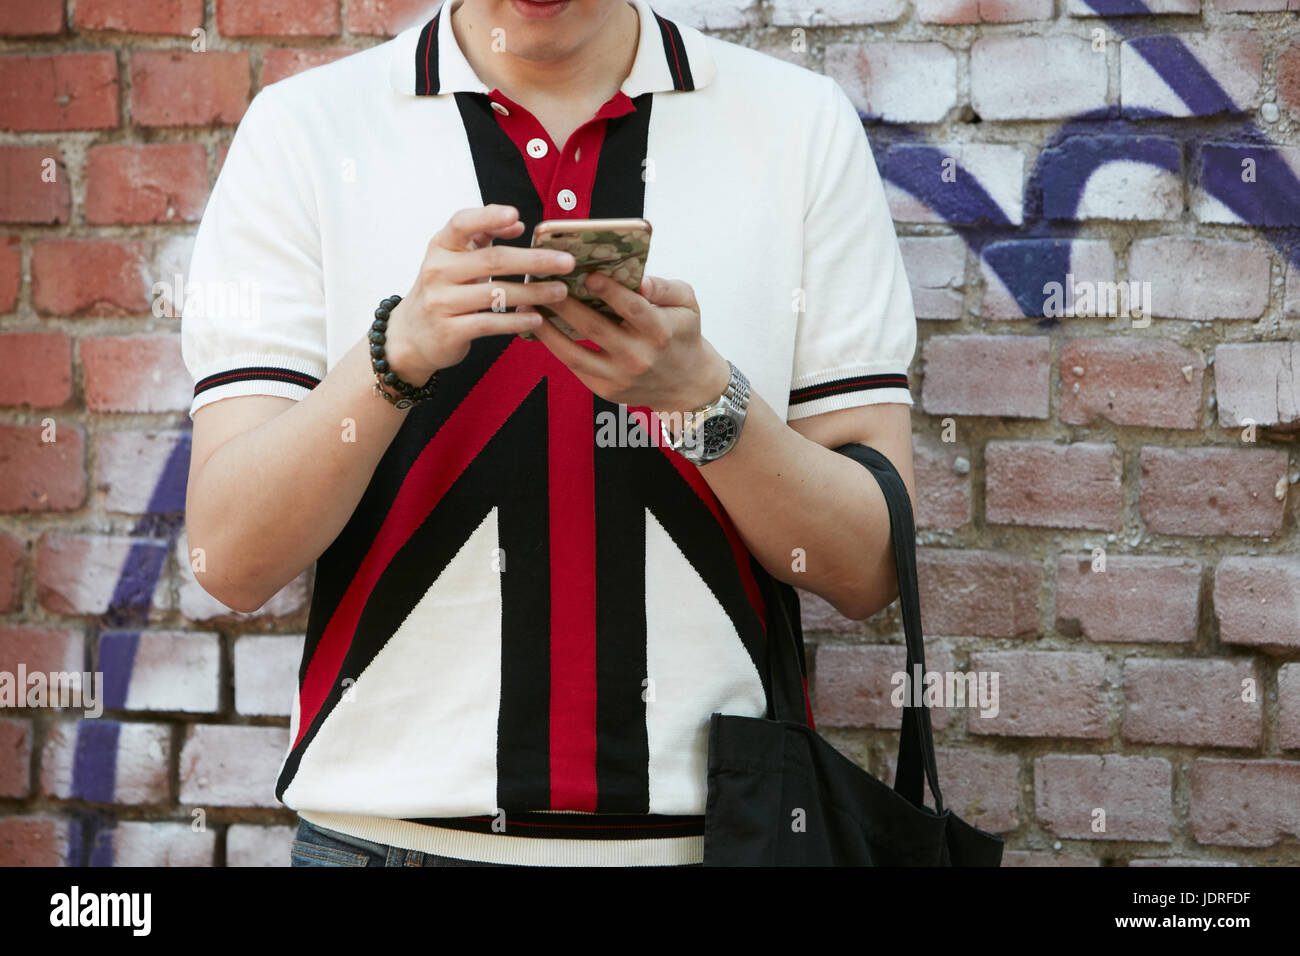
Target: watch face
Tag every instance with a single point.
(718, 434)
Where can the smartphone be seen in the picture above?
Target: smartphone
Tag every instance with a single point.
(616, 247)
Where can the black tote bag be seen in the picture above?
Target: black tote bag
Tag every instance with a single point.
(780, 795)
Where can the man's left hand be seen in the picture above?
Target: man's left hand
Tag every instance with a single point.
(655, 358)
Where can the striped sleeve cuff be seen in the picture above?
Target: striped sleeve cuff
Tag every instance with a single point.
(831, 391)
(257, 375)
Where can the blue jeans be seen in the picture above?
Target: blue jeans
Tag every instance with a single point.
(317, 846)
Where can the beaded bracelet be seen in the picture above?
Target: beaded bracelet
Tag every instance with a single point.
(408, 394)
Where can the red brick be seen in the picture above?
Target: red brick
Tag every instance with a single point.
(142, 373)
(12, 552)
(60, 92)
(15, 757)
(996, 375)
(1152, 599)
(385, 17)
(1245, 802)
(981, 788)
(130, 184)
(1288, 706)
(42, 475)
(1055, 486)
(36, 841)
(44, 649)
(1136, 794)
(35, 369)
(1192, 703)
(31, 18)
(1131, 382)
(986, 11)
(277, 18)
(1211, 491)
(1206, 279)
(1044, 694)
(818, 616)
(1287, 65)
(231, 766)
(980, 593)
(1043, 858)
(91, 574)
(1257, 601)
(175, 88)
(11, 272)
(279, 64)
(854, 685)
(942, 470)
(99, 277)
(174, 17)
(25, 193)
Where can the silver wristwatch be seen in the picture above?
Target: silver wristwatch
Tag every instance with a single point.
(710, 432)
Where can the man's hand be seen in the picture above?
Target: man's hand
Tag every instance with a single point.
(656, 358)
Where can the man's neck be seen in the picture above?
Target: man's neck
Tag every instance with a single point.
(594, 72)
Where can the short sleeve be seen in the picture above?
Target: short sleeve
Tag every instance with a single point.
(253, 312)
(856, 334)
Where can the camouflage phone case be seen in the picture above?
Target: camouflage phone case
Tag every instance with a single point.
(619, 254)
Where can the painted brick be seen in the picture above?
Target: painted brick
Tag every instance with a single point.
(1225, 194)
(1020, 78)
(1257, 601)
(1044, 858)
(133, 843)
(175, 88)
(1081, 8)
(1149, 382)
(384, 18)
(1071, 264)
(161, 670)
(248, 845)
(131, 184)
(936, 272)
(278, 18)
(103, 761)
(1135, 599)
(854, 685)
(42, 475)
(818, 616)
(279, 64)
(143, 472)
(834, 12)
(1257, 383)
(95, 277)
(36, 841)
(1235, 61)
(35, 369)
(897, 82)
(95, 574)
(15, 757)
(982, 11)
(1044, 694)
(1192, 703)
(231, 766)
(924, 183)
(34, 185)
(1202, 278)
(960, 368)
(136, 373)
(1081, 180)
(1211, 491)
(1135, 793)
(1288, 706)
(266, 673)
(979, 593)
(1244, 802)
(1055, 486)
(942, 472)
(175, 17)
(64, 91)
(197, 605)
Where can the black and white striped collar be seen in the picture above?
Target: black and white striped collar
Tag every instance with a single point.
(427, 61)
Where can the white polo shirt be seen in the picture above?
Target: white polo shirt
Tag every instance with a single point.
(520, 620)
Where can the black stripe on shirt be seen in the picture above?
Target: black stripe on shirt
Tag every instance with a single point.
(854, 383)
(259, 373)
(426, 59)
(675, 53)
(575, 826)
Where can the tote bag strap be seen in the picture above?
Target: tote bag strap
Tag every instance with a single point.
(916, 743)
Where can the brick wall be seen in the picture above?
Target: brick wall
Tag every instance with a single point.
(1148, 713)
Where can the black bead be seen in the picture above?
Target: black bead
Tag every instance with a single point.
(380, 324)
(380, 365)
(378, 336)
(381, 312)
(391, 379)
(377, 351)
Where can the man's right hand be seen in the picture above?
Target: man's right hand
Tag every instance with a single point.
(433, 326)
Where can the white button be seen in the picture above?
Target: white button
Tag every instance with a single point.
(500, 108)
(577, 154)
(567, 199)
(537, 147)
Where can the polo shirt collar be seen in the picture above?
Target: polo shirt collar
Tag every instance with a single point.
(427, 60)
